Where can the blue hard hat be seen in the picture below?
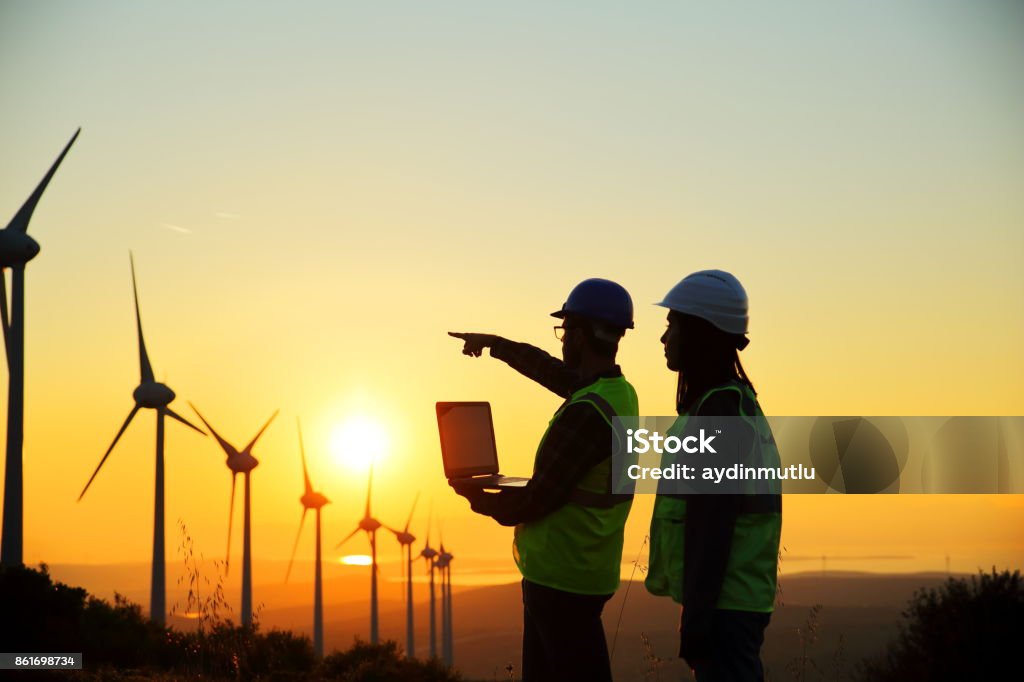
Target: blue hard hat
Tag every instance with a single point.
(599, 299)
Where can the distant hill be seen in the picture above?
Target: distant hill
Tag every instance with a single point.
(862, 608)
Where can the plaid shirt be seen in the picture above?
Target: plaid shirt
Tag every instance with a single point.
(578, 440)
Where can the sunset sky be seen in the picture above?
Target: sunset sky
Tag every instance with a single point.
(316, 192)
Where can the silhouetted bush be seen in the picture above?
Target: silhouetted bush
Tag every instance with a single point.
(37, 610)
(382, 663)
(119, 644)
(963, 630)
(120, 635)
(40, 614)
(228, 650)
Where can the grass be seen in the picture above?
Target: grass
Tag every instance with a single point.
(119, 644)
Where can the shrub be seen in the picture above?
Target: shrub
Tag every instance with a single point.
(119, 644)
(382, 663)
(966, 629)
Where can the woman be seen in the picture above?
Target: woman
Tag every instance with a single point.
(717, 555)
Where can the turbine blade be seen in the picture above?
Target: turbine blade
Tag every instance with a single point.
(171, 413)
(409, 520)
(107, 453)
(393, 530)
(296, 545)
(227, 447)
(369, 491)
(146, 368)
(302, 452)
(347, 537)
(231, 517)
(430, 520)
(20, 220)
(248, 448)
(5, 318)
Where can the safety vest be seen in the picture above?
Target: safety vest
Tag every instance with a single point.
(751, 571)
(578, 547)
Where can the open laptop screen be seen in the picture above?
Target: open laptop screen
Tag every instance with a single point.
(467, 439)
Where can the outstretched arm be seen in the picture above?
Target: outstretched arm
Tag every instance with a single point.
(530, 361)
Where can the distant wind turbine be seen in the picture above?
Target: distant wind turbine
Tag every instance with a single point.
(311, 500)
(444, 564)
(370, 526)
(17, 248)
(405, 539)
(240, 462)
(429, 553)
(156, 396)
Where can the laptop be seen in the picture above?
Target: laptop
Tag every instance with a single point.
(468, 448)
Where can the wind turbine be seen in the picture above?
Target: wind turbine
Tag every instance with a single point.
(240, 462)
(156, 396)
(405, 539)
(444, 561)
(17, 248)
(370, 525)
(429, 553)
(312, 500)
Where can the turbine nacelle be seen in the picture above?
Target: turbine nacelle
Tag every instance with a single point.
(153, 394)
(369, 524)
(313, 500)
(16, 248)
(428, 553)
(242, 462)
(405, 538)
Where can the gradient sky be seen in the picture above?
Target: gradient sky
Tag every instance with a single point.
(316, 192)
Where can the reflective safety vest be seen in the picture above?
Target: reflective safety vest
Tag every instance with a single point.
(578, 547)
(751, 571)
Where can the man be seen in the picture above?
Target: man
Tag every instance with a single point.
(569, 525)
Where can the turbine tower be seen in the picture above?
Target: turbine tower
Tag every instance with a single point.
(312, 500)
(370, 525)
(444, 561)
(17, 248)
(240, 462)
(155, 396)
(429, 554)
(405, 539)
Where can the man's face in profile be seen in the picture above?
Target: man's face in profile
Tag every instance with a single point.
(572, 342)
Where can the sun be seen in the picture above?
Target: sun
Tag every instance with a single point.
(358, 442)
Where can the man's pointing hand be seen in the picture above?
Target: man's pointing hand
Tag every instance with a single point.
(475, 343)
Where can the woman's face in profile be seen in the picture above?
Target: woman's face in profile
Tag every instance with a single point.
(672, 339)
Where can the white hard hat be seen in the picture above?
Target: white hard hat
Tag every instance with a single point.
(713, 295)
